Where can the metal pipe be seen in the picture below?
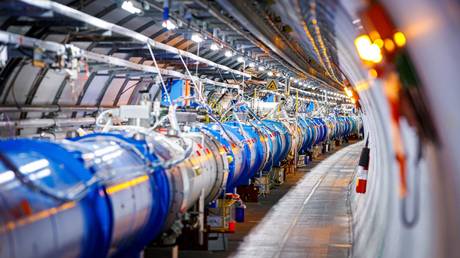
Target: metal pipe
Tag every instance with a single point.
(216, 14)
(234, 8)
(102, 24)
(16, 39)
(193, 27)
(235, 12)
(51, 108)
(47, 122)
(52, 136)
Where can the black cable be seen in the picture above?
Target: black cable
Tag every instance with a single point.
(219, 99)
(130, 87)
(157, 93)
(222, 77)
(22, 51)
(411, 222)
(13, 94)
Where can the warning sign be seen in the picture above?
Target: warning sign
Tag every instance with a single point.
(272, 85)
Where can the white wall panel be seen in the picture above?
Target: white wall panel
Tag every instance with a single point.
(128, 91)
(72, 90)
(112, 91)
(22, 84)
(94, 90)
(49, 87)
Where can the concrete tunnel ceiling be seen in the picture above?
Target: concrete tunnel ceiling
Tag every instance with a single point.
(89, 38)
(67, 65)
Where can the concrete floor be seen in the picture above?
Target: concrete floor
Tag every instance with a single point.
(307, 216)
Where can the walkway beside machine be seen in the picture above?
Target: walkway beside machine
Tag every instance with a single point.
(317, 195)
(313, 218)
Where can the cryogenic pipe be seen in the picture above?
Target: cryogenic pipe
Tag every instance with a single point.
(46, 122)
(52, 108)
(117, 190)
(120, 175)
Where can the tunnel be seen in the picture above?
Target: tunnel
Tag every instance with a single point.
(218, 128)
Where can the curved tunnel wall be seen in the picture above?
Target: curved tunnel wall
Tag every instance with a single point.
(425, 223)
(379, 228)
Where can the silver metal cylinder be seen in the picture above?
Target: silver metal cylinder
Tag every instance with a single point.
(46, 122)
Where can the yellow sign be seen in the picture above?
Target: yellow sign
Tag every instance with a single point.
(272, 85)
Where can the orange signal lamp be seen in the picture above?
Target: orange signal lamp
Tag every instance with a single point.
(389, 45)
(400, 39)
(379, 43)
(373, 73)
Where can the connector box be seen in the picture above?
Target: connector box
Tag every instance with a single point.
(134, 111)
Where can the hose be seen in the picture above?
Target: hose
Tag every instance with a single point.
(172, 111)
(406, 221)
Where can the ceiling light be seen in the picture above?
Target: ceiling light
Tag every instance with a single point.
(348, 92)
(214, 47)
(261, 68)
(197, 38)
(367, 50)
(240, 59)
(130, 7)
(270, 73)
(169, 25)
(279, 74)
(252, 64)
(228, 53)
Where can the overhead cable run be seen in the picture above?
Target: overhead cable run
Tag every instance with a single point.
(102, 24)
(335, 95)
(239, 10)
(16, 39)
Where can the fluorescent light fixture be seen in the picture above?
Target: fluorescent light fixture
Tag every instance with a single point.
(261, 68)
(240, 59)
(169, 25)
(129, 6)
(197, 38)
(270, 73)
(252, 64)
(214, 47)
(228, 53)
